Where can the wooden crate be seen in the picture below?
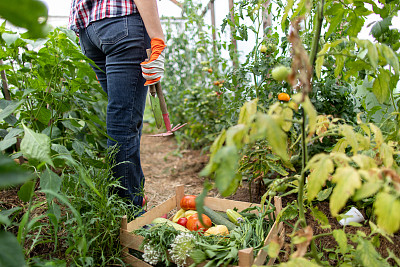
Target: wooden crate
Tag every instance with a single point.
(129, 240)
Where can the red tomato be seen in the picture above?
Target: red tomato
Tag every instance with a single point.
(188, 202)
(182, 221)
(193, 223)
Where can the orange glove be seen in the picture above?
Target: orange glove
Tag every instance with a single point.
(153, 70)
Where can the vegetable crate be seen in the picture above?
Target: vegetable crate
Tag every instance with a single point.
(129, 240)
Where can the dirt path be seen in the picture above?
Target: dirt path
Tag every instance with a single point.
(165, 166)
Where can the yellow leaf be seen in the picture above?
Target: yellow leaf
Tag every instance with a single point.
(364, 162)
(247, 111)
(340, 159)
(237, 135)
(287, 114)
(351, 138)
(273, 249)
(386, 154)
(387, 209)
(340, 146)
(347, 180)
(218, 142)
(377, 133)
(312, 115)
(320, 59)
(320, 171)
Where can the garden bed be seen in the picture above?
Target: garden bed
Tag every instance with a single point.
(130, 241)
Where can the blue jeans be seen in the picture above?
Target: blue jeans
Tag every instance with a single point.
(118, 46)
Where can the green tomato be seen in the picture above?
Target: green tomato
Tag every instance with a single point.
(281, 188)
(263, 49)
(280, 73)
(201, 50)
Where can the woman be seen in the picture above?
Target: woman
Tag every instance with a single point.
(115, 35)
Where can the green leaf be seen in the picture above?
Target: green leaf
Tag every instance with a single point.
(265, 126)
(26, 191)
(6, 143)
(339, 65)
(78, 147)
(324, 194)
(44, 115)
(320, 217)
(10, 38)
(355, 24)
(381, 27)
(198, 256)
(277, 168)
(247, 111)
(335, 20)
(372, 54)
(302, 9)
(380, 87)
(11, 107)
(321, 166)
(366, 255)
(390, 57)
(50, 181)
(347, 180)
(288, 7)
(227, 164)
(320, 59)
(28, 14)
(11, 253)
(387, 208)
(36, 146)
(341, 239)
(11, 173)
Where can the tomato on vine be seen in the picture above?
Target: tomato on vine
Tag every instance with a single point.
(284, 97)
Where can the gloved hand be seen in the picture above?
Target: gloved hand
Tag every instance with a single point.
(153, 70)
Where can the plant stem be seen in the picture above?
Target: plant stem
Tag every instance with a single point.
(300, 195)
(322, 235)
(319, 16)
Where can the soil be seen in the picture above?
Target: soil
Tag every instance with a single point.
(166, 166)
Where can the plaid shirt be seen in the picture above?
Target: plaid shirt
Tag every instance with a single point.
(85, 11)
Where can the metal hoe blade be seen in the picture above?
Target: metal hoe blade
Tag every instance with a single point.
(155, 106)
(171, 132)
(163, 106)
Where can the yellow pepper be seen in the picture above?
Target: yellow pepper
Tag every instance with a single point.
(189, 213)
(179, 214)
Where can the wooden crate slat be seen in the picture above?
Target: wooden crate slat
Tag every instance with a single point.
(262, 254)
(128, 240)
(246, 257)
(224, 204)
(133, 261)
(155, 212)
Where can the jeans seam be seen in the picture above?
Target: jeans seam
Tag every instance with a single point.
(88, 36)
(125, 21)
